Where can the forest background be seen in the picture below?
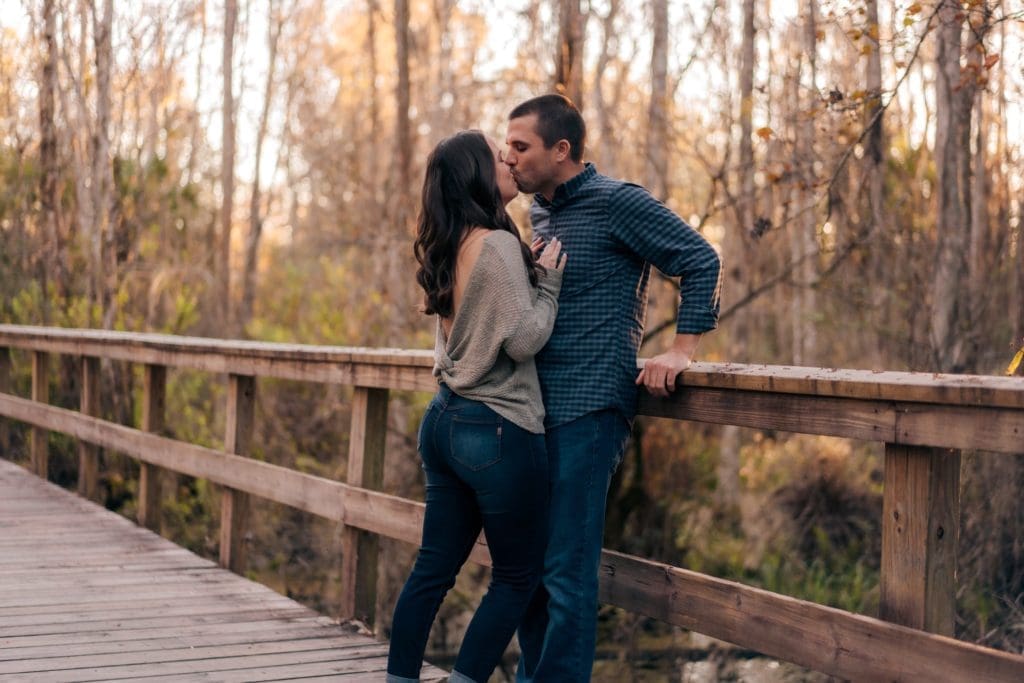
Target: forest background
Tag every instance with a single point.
(251, 169)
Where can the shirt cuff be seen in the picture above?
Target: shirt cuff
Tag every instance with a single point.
(696, 320)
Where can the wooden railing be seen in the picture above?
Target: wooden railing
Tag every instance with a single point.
(924, 420)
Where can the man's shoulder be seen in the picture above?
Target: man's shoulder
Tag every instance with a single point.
(618, 190)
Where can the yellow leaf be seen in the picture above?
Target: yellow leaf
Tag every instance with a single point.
(907, 21)
(765, 132)
(1015, 363)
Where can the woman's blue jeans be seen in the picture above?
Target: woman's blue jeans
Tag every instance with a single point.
(485, 472)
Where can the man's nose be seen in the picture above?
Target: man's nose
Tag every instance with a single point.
(510, 158)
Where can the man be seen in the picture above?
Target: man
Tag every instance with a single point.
(612, 232)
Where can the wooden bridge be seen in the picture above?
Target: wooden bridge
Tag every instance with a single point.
(924, 420)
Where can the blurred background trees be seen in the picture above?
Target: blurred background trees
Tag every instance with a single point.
(251, 168)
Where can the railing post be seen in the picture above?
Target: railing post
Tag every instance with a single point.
(366, 470)
(89, 404)
(920, 531)
(5, 388)
(234, 505)
(39, 443)
(154, 393)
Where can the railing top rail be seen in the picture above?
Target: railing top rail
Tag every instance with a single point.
(304, 361)
(27, 336)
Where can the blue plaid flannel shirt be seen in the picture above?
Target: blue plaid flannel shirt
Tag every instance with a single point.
(612, 231)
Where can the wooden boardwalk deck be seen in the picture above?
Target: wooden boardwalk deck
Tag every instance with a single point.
(86, 595)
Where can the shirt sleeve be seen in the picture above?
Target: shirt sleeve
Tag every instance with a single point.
(529, 312)
(656, 234)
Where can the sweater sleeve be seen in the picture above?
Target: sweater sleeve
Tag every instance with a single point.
(527, 314)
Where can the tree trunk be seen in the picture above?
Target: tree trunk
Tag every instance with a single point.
(979, 254)
(371, 48)
(275, 22)
(49, 200)
(609, 155)
(738, 258)
(569, 55)
(952, 127)
(102, 174)
(803, 243)
(227, 169)
(657, 112)
(193, 155)
(874, 157)
(395, 275)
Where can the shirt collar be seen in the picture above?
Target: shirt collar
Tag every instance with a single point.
(570, 188)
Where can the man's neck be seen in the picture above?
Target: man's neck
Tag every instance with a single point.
(565, 175)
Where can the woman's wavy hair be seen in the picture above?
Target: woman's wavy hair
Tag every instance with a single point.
(460, 192)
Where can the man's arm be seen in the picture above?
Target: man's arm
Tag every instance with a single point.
(659, 236)
(660, 372)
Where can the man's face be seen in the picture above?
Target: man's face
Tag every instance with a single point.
(533, 166)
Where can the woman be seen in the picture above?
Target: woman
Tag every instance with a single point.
(482, 437)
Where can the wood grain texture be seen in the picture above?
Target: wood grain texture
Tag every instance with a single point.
(920, 523)
(154, 397)
(39, 447)
(80, 616)
(832, 641)
(234, 508)
(404, 369)
(5, 388)
(359, 549)
(89, 404)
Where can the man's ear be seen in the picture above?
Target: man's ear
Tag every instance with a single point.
(562, 150)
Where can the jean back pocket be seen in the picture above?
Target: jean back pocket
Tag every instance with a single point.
(476, 440)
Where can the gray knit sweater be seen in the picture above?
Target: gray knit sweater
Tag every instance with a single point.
(501, 324)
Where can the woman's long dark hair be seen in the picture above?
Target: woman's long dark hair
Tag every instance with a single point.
(460, 192)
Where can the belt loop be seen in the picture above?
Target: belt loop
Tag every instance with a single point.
(444, 393)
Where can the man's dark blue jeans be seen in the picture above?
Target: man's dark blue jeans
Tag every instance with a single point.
(482, 471)
(558, 633)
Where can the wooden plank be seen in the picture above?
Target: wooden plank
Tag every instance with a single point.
(396, 369)
(143, 623)
(863, 420)
(918, 387)
(234, 509)
(372, 665)
(254, 633)
(111, 637)
(142, 597)
(66, 662)
(154, 398)
(39, 451)
(366, 470)
(88, 454)
(962, 428)
(5, 388)
(920, 529)
(343, 365)
(83, 619)
(995, 429)
(824, 639)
